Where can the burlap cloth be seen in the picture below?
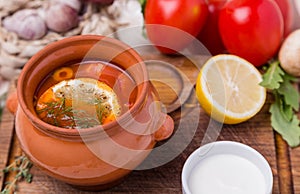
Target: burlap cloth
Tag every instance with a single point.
(15, 52)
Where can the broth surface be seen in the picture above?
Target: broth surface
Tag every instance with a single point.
(83, 95)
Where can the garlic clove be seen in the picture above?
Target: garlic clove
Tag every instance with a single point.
(26, 23)
(61, 17)
(75, 4)
(8, 23)
(33, 28)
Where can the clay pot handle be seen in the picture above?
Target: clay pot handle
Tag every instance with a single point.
(166, 130)
(12, 102)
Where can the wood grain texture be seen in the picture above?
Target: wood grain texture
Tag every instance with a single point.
(284, 165)
(192, 128)
(6, 136)
(295, 165)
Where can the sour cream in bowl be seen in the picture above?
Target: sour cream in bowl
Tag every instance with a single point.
(226, 167)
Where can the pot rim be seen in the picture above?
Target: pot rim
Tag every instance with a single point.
(64, 132)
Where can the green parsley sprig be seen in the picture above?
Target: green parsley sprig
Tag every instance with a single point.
(283, 111)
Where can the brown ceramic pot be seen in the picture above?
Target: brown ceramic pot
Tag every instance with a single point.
(98, 157)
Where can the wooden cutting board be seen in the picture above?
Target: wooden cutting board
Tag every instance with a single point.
(255, 132)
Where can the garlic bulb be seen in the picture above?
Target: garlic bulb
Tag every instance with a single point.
(60, 17)
(27, 23)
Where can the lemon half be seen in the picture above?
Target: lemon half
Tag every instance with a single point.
(228, 89)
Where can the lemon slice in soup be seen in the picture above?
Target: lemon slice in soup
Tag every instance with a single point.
(78, 103)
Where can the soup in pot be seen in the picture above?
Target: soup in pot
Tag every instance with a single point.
(84, 95)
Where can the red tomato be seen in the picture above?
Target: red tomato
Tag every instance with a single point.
(296, 5)
(251, 29)
(288, 15)
(175, 18)
(210, 36)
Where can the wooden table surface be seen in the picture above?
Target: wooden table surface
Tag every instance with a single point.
(256, 132)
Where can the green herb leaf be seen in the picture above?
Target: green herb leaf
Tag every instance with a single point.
(28, 178)
(143, 4)
(273, 77)
(283, 117)
(286, 110)
(290, 94)
(21, 166)
(289, 130)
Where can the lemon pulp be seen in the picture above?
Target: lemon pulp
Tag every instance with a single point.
(228, 89)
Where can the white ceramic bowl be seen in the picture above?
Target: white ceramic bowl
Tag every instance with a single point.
(217, 150)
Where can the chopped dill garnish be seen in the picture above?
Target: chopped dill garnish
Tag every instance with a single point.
(59, 114)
